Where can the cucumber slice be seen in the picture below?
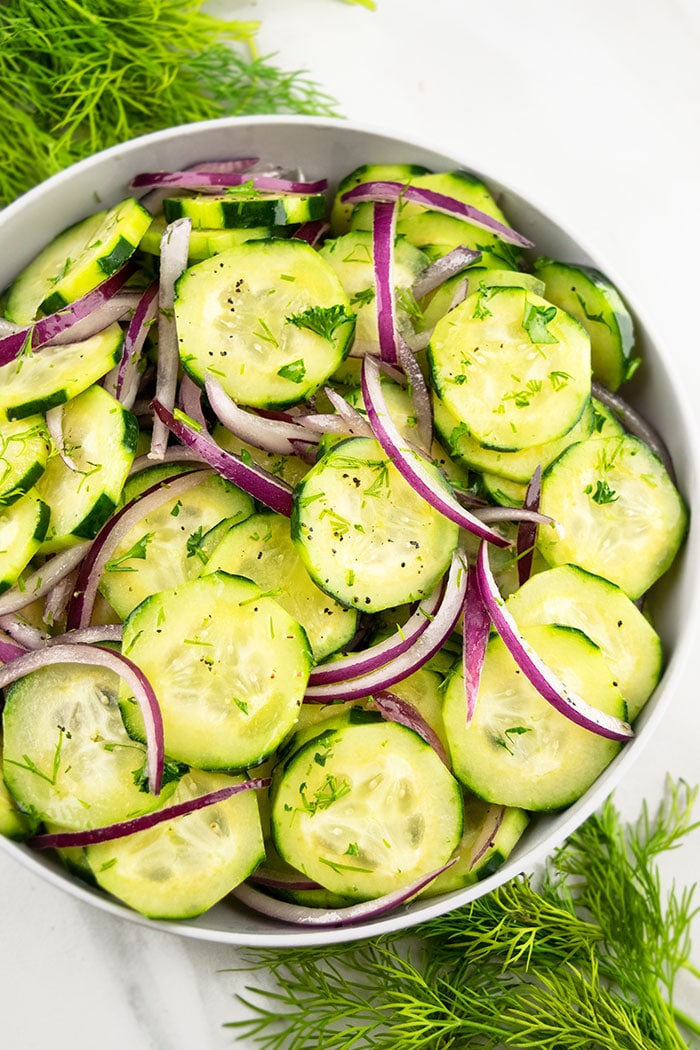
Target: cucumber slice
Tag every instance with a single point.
(67, 757)
(365, 808)
(515, 466)
(290, 468)
(571, 597)
(261, 548)
(182, 867)
(366, 537)
(518, 750)
(588, 295)
(23, 527)
(513, 368)
(14, 822)
(171, 544)
(352, 258)
(228, 665)
(100, 437)
(617, 512)
(438, 303)
(24, 452)
(54, 374)
(243, 208)
(77, 261)
(341, 212)
(204, 243)
(269, 319)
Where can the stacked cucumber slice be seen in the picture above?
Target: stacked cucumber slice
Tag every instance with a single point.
(364, 389)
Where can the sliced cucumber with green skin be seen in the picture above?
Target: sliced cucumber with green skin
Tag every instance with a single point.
(618, 513)
(237, 209)
(14, 822)
(352, 258)
(588, 295)
(440, 302)
(341, 212)
(50, 376)
(99, 437)
(77, 261)
(23, 527)
(490, 834)
(290, 468)
(262, 549)
(181, 867)
(172, 543)
(513, 368)
(518, 750)
(229, 667)
(364, 809)
(516, 466)
(24, 452)
(366, 537)
(203, 243)
(269, 320)
(571, 597)
(67, 757)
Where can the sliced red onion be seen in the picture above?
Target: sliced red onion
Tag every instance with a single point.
(43, 580)
(271, 435)
(366, 660)
(39, 333)
(312, 232)
(383, 237)
(173, 454)
(395, 709)
(274, 879)
(174, 248)
(489, 830)
(110, 536)
(424, 648)
(54, 425)
(99, 632)
(114, 309)
(533, 517)
(635, 424)
(422, 401)
(260, 484)
(68, 839)
(420, 340)
(476, 626)
(190, 401)
(77, 653)
(356, 422)
(299, 915)
(397, 191)
(57, 599)
(453, 262)
(126, 385)
(10, 651)
(527, 531)
(25, 634)
(196, 179)
(547, 684)
(409, 463)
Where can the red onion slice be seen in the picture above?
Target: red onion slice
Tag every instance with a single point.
(426, 645)
(489, 830)
(383, 237)
(99, 632)
(196, 179)
(54, 425)
(355, 664)
(394, 708)
(126, 384)
(190, 401)
(43, 580)
(10, 651)
(453, 262)
(536, 671)
(422, 401)
(527, 530)
(409, 462)
(312, 232)
(40, 333)
(397, 191)
(110, 536)
(635, 424)
(77, 653)
(357, 424)
(67, 839)
(299, 915)
(271, 435)
(25, 634)
(174, 248)
(258, 483)
(476, 626)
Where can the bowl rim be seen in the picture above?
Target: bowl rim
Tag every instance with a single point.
(271, 933)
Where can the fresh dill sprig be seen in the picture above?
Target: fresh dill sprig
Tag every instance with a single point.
(589, 959)
(77, 76)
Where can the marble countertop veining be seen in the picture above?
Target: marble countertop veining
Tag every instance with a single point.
(592, 108)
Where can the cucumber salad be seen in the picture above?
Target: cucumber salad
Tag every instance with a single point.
(326, 534)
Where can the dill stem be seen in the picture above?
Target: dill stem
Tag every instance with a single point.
(688, 966)
(687, 1021)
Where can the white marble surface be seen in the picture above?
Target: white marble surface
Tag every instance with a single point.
(592, 107)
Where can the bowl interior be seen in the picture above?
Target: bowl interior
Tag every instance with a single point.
(327, 148)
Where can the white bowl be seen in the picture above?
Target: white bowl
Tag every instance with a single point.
(330, 148)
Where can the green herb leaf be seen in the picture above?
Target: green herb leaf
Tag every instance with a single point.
(535, 321)
(323, 320)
